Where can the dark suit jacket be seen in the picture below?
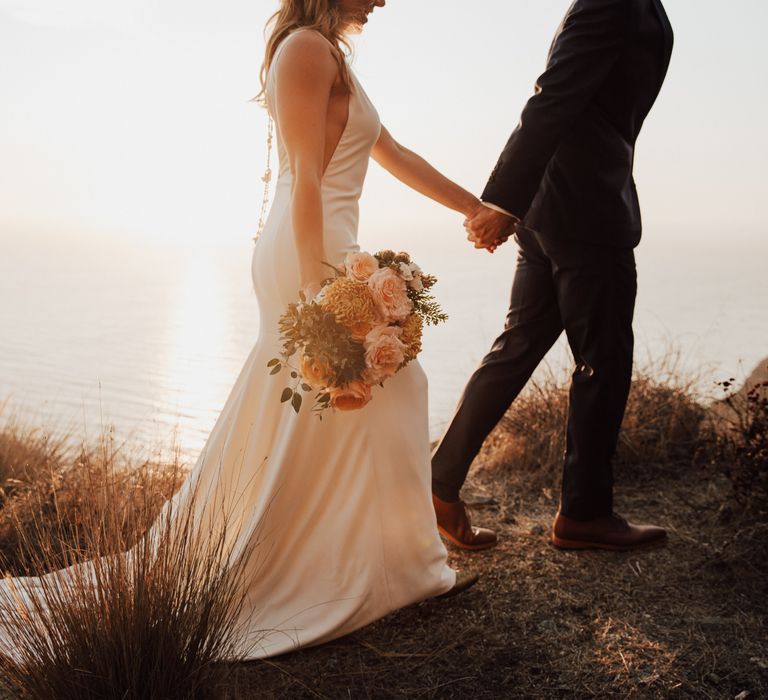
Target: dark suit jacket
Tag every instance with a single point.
(567, 168)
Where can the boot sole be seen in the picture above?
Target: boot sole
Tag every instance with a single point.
(459, 587)
(582, 544)
(469, 547)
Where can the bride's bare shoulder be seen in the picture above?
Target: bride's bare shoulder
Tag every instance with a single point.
(306, 49)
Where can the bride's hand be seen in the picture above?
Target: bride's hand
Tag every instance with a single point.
(472, 208)
(490, 228)
(311, 290)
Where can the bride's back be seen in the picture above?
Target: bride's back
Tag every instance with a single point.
(354, 128)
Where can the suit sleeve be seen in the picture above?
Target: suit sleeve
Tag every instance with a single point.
(588, 43)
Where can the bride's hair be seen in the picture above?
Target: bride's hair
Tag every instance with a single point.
(324, 16)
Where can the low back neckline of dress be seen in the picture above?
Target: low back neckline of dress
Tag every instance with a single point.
(271, 129)
(354, 94)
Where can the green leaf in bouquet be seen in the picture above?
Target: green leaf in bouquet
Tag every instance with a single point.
(296, 401)
(306, 387)
(287, 393)
(294, 375)
(276, 369)
(274, 361)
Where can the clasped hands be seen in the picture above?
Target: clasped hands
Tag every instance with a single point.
(488, 228)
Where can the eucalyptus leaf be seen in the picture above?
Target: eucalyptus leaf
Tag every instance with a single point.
(287, 393)
(306, 387)
(276, 369)
(274, 361)
(296, 401)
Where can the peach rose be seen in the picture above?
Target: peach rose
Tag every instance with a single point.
(359, 330)
(372, 377)
(384, 351)
(315, 372)
(360, 266)
(390, 294)
(350, 397)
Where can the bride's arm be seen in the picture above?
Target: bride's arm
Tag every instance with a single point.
(305, 75)
(414, 171)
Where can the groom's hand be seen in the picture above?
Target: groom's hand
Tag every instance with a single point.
(490, 228)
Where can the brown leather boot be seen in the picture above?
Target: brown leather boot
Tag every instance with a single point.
(464, 581)
(611, 532)
(453, 524)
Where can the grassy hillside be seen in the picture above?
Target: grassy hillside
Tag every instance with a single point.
(688, 620)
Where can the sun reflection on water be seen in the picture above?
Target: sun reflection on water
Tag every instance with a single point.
(200, 362)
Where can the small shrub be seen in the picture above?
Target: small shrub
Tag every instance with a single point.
(741, 445)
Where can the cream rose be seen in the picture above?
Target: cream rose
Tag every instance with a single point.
(360, 266)
(390, 294)
(350, 397)
(384, 351)
(315, 372)
(405, 272)
(416, 284)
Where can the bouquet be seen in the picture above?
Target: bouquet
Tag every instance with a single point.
(364, 326)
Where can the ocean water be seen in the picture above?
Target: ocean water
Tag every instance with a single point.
(149, 341)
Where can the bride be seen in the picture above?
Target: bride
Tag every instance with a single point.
(341, 507)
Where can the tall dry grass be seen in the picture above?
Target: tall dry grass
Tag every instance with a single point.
(53, 487)
(663, 428)
(134, 616)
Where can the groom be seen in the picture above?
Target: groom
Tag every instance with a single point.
(564, 186)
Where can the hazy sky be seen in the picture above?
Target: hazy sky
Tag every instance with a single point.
(131, 119)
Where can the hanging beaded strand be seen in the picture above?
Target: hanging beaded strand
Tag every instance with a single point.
(266, 179)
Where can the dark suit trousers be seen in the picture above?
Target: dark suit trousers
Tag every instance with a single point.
(590, 292)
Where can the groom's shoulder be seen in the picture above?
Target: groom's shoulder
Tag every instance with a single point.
(605, 3)
(609, 9)
(618, 6)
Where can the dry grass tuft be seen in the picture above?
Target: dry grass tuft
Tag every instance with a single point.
(157, 621)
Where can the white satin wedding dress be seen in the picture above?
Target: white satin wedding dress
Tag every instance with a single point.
(341, 507)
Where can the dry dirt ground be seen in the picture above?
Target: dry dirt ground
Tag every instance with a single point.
(685, 621)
